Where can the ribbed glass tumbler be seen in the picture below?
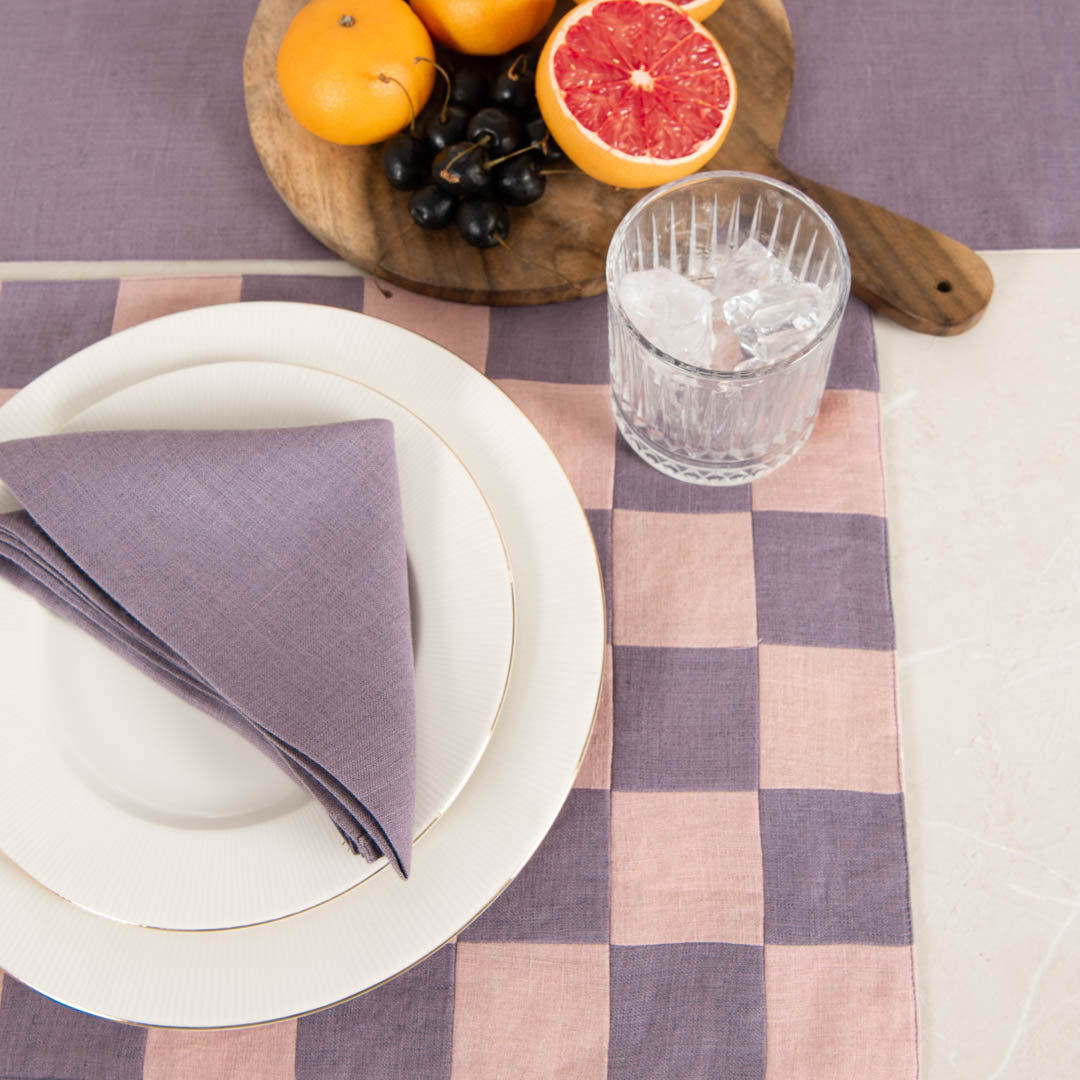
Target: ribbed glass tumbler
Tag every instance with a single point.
(742, 280)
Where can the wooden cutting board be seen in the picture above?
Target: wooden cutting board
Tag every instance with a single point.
(921, 278)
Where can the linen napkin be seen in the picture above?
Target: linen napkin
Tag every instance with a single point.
(260, 575)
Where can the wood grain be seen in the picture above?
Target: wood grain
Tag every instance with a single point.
(921, 278)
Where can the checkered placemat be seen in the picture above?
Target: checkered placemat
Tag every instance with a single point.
(725, 893)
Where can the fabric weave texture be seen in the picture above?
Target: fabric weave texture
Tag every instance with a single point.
(260, 575)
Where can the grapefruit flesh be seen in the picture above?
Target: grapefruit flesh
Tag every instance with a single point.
(635, 91)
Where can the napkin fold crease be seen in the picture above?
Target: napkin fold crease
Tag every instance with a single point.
(259, 575)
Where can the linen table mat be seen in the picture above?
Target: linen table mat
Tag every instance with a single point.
(725, 893)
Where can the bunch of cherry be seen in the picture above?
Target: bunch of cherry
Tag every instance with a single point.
(485, 148)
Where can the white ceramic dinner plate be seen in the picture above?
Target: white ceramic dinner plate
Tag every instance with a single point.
(124, 799)
(367, 934)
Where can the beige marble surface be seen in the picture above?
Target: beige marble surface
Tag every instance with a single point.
(982, 442)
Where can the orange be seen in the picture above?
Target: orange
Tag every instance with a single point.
(635, 91)
(697, 9)
(338, 61)
(483, 27)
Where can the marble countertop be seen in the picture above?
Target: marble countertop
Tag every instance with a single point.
(982, 460)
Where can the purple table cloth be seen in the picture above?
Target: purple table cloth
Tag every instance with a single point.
(212, 560)
(124, 132)
(725, 892)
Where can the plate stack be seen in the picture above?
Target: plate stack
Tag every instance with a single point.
(159, 869)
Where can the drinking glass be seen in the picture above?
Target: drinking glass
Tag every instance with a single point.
(724, 415)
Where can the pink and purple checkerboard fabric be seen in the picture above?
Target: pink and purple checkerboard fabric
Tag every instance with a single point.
(725, 893)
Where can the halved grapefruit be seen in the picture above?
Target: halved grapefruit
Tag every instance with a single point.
(635, 91)
(699, 9)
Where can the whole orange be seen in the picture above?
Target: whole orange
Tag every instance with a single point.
(483, 27)
(348, 71)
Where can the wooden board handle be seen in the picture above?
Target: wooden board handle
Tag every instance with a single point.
(920, 278)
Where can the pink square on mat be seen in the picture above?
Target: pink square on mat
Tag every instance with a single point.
(577, 422)
(6, 395)
(262, 1053)
(686, 866)
(828, 719)
(464, 329)
(838, 471)
(683, 580)
(141, 299)
(536, 1011)
(840, 1011)
(595, 770)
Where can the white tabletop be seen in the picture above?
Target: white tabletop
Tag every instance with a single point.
(982, 461)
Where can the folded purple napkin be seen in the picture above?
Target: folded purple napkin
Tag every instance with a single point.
(259, 575)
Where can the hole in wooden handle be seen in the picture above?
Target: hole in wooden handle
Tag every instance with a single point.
(944, 286)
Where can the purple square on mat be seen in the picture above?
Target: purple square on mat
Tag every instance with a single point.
(641, 487)
(399, 1031)
(600, 523)
(854, 360)
(835, 868)
(822, 579)
(342, 292)
(39, 1038)
(692, 1011)
(562, 894)
(44, 322)
(686, 719)
(534, 343)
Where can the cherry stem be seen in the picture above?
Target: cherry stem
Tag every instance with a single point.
(442, 71)
(383, 77)
(514, 153)
(558, 172)
(468, 150)
(512, 72)
(576, 286)
(444, 171)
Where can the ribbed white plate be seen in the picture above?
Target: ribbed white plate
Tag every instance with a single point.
(369, 934)
(133, 804)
